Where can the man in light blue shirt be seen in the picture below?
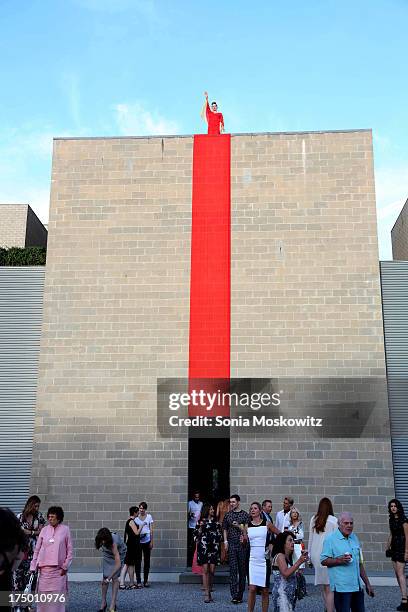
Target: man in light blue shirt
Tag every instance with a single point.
(342, 556)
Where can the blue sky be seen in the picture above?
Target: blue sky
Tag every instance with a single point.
(133, 67)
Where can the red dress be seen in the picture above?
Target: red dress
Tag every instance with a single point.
(214, 120)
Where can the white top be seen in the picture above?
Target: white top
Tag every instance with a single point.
(194, 508)
(297, 531)
(315, 548)
(145, 532)
(282, 520)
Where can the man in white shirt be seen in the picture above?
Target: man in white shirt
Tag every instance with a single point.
(194, 508)
(282, 521)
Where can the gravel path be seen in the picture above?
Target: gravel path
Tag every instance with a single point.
(170, 597)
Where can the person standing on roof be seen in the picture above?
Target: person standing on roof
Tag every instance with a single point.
(215, 120)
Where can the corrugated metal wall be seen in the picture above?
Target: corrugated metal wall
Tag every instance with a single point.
(21, 302)
(394, 284)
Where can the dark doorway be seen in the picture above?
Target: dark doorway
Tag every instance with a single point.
(209, 467)
(208, 471)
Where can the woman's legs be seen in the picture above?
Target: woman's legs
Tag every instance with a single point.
(131, 572)
(105, 586)
(123, 575)
(211, 578)
(399, 569)
(328, 597)
(251, 597)
(265, 599)
(206, 580)
(115, 588)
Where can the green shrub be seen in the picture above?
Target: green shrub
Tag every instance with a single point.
(23, 256)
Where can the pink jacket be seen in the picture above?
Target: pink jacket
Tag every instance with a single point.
(54, 547)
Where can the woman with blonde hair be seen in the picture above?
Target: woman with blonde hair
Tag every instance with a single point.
(322, 523)
(32, 521)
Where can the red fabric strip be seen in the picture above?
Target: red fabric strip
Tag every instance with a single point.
(210, 284)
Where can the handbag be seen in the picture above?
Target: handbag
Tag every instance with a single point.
(300, 586)
(388, 553)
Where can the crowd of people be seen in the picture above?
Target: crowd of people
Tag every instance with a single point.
(270, 555)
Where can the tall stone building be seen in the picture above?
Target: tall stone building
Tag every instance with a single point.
(305, 302)
(399, 235)
(20, 227)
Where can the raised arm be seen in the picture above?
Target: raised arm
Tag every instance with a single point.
(205, 108)
(286, 570)
(327, 557)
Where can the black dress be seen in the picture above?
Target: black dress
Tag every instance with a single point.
(397, 538)
(208, 542)
(132, 542)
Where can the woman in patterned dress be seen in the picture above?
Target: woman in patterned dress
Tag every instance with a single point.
(208, 535)
(32, 521)
(284, 572)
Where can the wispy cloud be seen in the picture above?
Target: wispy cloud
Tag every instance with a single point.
(25, 165)
(71, 88)
(135, 120)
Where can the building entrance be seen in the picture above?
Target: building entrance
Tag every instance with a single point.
(209, 468)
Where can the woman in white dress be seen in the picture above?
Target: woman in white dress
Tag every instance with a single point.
(322, 523)
(259, 569)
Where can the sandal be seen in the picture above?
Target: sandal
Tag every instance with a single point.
(132, 587)
(123, 587)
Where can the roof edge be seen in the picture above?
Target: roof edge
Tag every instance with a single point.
(191, 135)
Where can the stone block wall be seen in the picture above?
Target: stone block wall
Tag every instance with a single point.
(305, 302)
(399, 235)
(20, 227)
(13, 223)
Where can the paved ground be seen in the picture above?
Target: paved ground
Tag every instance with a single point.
(170, 597)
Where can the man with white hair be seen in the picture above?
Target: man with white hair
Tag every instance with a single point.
(342, 556)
